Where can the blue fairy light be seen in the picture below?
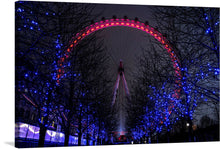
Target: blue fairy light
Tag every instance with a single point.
(58, 46)
(202, 96)
(19, 10)
(31, 28)
(69, 64)
(47, 13)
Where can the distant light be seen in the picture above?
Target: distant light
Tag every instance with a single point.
(31, 28)
(47, 13)
(187, 124)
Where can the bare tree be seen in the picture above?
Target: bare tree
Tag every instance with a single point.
(42, 30)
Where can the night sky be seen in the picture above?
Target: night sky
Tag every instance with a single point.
(123, 42)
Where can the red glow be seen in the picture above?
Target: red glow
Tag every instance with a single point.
(122, 22)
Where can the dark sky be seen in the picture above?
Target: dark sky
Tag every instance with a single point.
(123, 42)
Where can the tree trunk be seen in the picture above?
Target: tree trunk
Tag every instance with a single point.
(168, 136)
(190, 130)
(42, 135)
(157, 138)
(79, 139)
(67, 135)
(80, 128)
(87, 139)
